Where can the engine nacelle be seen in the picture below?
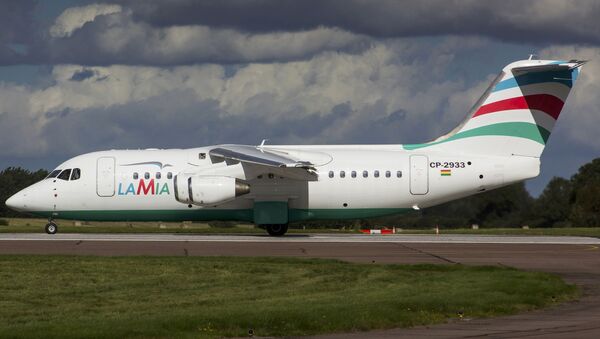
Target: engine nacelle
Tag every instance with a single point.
(205, 190)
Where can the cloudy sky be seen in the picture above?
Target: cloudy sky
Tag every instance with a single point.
(79, 76)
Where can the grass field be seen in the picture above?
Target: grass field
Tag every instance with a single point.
(64, 296)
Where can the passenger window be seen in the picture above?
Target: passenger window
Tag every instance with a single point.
(388, 174)
(376, 174)
(146, 175)
(342, 174)
(135, 176)
(76, 174)
(365, 174)
(331, 174)
(158, 175)
(169, 175)
(353, 174)
(54, 174)
(64, 175)
(399, 174)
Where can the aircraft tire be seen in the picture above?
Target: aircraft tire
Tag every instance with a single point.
(51, 228)
(276, 230)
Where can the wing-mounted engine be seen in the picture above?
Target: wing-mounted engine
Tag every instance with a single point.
(206, 190)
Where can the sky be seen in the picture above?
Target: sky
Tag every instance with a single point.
(81, 76)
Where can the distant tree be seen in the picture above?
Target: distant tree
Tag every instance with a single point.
(585, 196)
(12, 180)
(553, 206)
(509, 206)
(505, 207)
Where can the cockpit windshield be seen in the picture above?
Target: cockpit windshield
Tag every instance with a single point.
(53, 174)
(65, 175)
(76, 174)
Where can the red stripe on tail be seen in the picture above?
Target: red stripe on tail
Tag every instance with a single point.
(546, 103)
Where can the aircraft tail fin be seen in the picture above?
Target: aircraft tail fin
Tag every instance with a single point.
(517, 112)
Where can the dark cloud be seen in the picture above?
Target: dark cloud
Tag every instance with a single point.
(83, 74)
(17, 21)
(511, 20)
(117, 38)
(17, 29)
(142, 32)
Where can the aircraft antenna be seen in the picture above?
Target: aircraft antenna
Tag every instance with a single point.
(260, 147)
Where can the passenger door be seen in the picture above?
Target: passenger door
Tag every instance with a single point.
(419, 174)
(105, 177)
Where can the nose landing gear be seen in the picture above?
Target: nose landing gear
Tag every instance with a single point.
(51, 227)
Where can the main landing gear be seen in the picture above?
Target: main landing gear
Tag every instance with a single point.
(276, 230)
(51, 227)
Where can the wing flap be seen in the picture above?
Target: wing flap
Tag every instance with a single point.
(257, 157)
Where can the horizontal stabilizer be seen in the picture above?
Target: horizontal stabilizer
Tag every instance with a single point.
(559, 66)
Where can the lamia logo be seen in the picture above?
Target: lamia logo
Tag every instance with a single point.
(143, 188)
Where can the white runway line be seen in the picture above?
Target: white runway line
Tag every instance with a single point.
(316, 238)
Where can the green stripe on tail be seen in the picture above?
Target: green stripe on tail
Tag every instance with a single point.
(512, 129)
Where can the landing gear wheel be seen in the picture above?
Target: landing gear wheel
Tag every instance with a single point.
(277, 230)
(51, 228)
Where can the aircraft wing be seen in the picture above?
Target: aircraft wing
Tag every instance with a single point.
(273, 161)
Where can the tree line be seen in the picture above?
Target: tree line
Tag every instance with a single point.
(573, 202)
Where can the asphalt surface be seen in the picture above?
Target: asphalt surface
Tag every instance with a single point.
(576, 259)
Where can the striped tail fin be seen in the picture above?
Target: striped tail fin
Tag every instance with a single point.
(517, 113)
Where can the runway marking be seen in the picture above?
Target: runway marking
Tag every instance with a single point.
(428, 253)
(313, 238)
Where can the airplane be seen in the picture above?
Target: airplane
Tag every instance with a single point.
(499, 143)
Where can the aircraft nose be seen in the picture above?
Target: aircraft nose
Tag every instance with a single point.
(16, 202)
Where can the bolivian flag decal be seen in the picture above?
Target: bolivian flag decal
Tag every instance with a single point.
(446, 172)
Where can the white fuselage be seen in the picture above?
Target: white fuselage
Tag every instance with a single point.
(377, 180)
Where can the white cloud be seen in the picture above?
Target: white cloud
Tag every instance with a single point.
(74, 18)
(393, 92)
(581, 116)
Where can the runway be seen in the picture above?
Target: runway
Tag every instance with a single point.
(576, 259)
(325, 237)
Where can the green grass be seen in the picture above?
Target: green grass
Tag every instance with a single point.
(76, 296)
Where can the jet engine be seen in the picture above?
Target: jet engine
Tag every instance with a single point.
(206, 190)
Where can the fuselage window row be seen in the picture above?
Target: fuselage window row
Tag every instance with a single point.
(365, 174)
(158, 175)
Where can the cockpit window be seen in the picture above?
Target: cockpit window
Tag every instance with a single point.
(64, 175)
(76, 174)
(54, 174)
